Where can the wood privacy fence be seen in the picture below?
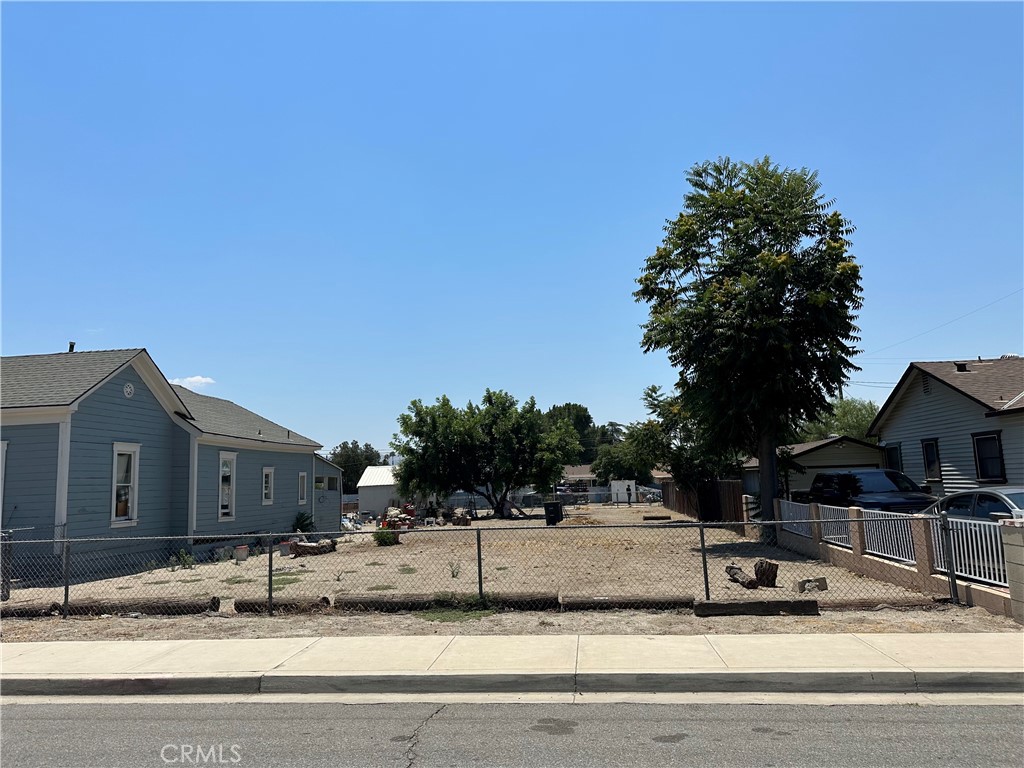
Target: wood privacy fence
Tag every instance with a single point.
(711, 501)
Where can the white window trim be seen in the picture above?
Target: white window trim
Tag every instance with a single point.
(233, 458)
(135, 449)
(3, 469)
(303, 494)
(263, 483)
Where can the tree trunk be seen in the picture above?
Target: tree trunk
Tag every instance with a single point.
(768, 474)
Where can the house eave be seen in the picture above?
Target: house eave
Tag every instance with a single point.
(231, 441)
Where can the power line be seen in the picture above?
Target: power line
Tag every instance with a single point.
(948, 322)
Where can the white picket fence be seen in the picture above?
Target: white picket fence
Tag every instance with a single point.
(887, 534)
(977, 549)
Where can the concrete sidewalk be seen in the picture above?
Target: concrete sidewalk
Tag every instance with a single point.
(879, 663)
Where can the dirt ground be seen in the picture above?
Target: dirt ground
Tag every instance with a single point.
(942, 618)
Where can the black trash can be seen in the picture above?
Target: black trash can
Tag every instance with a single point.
(553, 512)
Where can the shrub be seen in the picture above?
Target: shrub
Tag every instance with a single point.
(385, 538)
(303, 522)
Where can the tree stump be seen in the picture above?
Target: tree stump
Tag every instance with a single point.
(766, 571)
(736, 574)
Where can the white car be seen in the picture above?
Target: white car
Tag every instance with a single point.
(993, 503)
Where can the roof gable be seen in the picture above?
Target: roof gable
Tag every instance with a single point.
(803, 449)
(32, 381)
(995, 384)
(377, 476)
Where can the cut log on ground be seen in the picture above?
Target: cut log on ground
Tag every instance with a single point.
(757, 608)
(285, 605)
(736, 574)
(625, 602)
(153, 606)
(766, 571)
(304, 549)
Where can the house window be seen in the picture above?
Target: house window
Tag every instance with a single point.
(268, 486)
(988, 456)
(894, 457)
(318, 483)
(124, 501)
(930, 452)
(302, 487)
(228, 462)
(332, 483)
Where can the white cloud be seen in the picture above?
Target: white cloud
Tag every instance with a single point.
(195, 383)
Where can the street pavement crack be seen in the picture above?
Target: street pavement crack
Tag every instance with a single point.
(414, 740)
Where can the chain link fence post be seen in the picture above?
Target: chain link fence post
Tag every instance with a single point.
(6, 550)
(704, 562)
(947, 545)
(267, 545)
(66, 568)
(479, 566)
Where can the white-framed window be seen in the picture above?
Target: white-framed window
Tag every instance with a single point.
(268, 486)
(124, 490)
(227, 475)
(302, 488)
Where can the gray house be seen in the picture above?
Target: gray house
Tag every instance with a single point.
(828, 455)
(100, 444)
(956, 425)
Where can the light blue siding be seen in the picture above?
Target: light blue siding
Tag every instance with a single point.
(103, 418)
(30, 479)
(251, 515)
(328, 503)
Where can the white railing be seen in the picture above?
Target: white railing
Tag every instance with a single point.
(888, 534)
(835, 524)
(977, 550)
(796, 518)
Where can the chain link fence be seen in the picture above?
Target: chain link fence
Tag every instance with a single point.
(528, 566)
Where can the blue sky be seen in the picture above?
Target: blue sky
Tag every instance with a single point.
(333, 209)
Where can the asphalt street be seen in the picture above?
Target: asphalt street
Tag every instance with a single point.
(135, 734)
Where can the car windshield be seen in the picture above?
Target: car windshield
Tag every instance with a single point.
(884, 482)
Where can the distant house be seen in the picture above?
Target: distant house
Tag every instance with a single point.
(378, 490)
(582, 475)
(956, 425)
(819, 456)
(100, 444)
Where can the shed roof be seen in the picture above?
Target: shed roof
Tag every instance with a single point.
(802, 449)
(31, 381)
(215, 416)
(376, 477)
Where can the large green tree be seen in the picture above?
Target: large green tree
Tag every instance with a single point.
(353, 458)
(632, 458)
(850, 417)
(753, 294)
(492, 448)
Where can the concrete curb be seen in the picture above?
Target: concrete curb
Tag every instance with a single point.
(754, 681)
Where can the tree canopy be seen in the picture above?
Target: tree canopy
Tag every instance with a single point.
(492, 448)
(353, 459)
(850, 417)
(591, 435)
(753, 294)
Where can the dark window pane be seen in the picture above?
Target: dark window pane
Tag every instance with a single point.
(959, 505)
(989, 455)
(932, 469)
(987, 504)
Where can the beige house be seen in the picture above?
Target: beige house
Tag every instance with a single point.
(835, 453)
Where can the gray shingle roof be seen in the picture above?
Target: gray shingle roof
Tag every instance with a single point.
(222, 417)
(802, 449)
(28, 381)
(993, 383)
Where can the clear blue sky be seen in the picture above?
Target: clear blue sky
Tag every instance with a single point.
(333, 209)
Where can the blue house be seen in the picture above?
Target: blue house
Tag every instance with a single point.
(100, 444)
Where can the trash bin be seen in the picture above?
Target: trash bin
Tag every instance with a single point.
(553, 512)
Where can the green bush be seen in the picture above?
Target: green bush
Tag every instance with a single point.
(385, 538)
(303, 522)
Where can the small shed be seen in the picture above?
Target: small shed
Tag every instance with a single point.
(835, 453)
(378, 490)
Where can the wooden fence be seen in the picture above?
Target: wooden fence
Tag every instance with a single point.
(719, 500)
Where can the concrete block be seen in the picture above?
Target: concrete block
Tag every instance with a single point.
(810, 585)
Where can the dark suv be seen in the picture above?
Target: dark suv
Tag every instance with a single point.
(884, 489)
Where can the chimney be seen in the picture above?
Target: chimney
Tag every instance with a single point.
(71, 346)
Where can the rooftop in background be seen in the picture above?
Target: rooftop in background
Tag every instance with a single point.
(802, 449)
(377, 476)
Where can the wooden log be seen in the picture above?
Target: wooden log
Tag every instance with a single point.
(305, 549)
(736, 574)
(284, 605)
(766, 571)
(757, 608)
(150, 606)
(625, 602)
(26, 610)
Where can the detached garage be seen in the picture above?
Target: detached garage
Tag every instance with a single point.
(832, 454)
(378, 490)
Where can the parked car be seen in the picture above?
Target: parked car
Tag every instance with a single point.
(882, 489)
(992, 503)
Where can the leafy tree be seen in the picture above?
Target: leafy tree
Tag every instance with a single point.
(753, 294)
(582, 422)
(353, 459)
(850, 417)
(492, 448)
